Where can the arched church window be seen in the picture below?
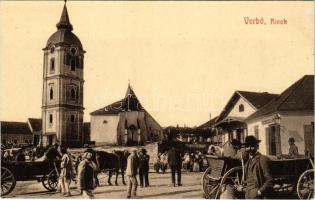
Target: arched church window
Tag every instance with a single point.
(72, 94)
(52, 64)
(72, 118)
(72, 64)
(241, 108)
(51, 94)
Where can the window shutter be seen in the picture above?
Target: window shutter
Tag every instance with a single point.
(309, 139)
(267, 140)
(278, 140)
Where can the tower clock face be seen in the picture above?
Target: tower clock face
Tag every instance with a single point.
(73, 51)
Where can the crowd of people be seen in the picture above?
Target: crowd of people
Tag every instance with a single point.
(83, 169)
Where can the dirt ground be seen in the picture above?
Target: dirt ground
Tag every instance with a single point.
(159, 188)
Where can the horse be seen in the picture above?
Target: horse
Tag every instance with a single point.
(111, 162)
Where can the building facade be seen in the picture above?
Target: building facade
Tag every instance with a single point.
(124, 122)
(231, 124)
(62, 100)
(289, 115)
(15, 133)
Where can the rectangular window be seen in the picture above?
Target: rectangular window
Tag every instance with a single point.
(72, 63)
(256, 131)
(50, 118)
(52, 65)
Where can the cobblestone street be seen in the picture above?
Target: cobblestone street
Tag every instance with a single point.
(159, 188)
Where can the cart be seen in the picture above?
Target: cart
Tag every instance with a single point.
(290, 176)
(46, 172)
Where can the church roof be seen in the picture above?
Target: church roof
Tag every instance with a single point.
(15, 128)
(64, 33)
(129, 103)
(298, 97)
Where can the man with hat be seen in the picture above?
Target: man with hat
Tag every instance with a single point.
(175, 163)
(86, 170)
(131, 172)
(144, 168)
(293, 149)
(258, 181)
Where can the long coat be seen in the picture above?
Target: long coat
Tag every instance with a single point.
(132, 165)
(174, 158)
(86, 171)
(261, 173)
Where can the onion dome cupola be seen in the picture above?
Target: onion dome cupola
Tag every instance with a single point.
(64, 34)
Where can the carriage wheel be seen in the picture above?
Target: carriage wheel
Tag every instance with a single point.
(232, 177)
(305, 185)
(50, 181)
(7, 181)
(209, 185)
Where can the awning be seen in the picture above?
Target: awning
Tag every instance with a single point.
(229, 120)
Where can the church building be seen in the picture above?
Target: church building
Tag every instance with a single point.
(124, 122)
(62, 100)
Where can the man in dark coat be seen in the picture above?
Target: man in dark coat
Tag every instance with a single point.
(144, 168)
(258, 180)
(175, 163)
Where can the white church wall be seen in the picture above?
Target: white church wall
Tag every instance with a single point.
(104, 129)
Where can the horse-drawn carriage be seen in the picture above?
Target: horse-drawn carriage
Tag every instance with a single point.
(290, 176)
(43, 171)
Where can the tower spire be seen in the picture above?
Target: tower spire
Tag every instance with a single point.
(64, 22)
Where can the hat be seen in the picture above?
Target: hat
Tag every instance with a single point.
(236, 142)
(291, 139)
(251, 140)
(89, 150)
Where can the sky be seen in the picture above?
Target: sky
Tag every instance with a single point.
(184, 60)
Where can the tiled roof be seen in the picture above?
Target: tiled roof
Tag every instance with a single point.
(15, 128)
(36, 124)
(129, 103)
(298, 97)
(209, 123)
(257, 99)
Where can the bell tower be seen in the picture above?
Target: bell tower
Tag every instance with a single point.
(62, 100)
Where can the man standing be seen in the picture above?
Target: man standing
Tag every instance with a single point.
(175, 163)
(144, 168)
(86, 170)
(131, 172)
(66, 172)
(258, 181)
(293, 150)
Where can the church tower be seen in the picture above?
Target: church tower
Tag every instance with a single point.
(62, 101)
